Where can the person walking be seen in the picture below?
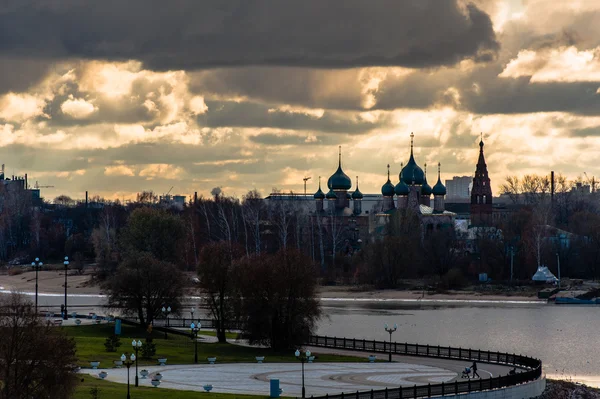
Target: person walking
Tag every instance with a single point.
(474, 369)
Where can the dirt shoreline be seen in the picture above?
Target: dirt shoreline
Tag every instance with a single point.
(52, 282)
(349, 292)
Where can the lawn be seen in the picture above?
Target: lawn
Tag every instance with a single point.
(176, 348)
(111, 390)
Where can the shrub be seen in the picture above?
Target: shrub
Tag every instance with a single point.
(14, 271)
(148, 350)
(454, 279)
(112, 343)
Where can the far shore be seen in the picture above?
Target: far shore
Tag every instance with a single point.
(352, 292)
(52, 282)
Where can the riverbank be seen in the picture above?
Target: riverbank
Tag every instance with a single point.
(52, 282)
(368, 293)
(556, 389)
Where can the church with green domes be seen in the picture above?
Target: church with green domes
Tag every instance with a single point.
(412, 192)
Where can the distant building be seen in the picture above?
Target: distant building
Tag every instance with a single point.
(172, 201)
(459, 189)
(481, 194)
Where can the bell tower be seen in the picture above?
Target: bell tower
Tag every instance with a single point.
(481, 194)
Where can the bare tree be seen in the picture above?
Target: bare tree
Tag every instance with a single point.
(38, 360)
(217, 274)
(147, 197)
(253, 209)
(282, 214)
(142, 285)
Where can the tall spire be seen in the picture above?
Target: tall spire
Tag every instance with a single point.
(439, 170)
(357, 182)
(481, 166)
(481, 193)
(319, 182)
(388, 166)
(425, 172)
(340, 157)
(412, 137)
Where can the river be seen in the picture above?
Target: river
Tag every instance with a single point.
(564, 337)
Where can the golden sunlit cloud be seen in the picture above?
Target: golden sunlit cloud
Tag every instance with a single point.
(565, 64)
(19, 107)
(119, 170)
(78, 108)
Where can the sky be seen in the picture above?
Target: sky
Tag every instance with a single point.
(118, 97)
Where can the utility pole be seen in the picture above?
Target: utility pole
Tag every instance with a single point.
(512, 255)
(558, 262)
(305, 180)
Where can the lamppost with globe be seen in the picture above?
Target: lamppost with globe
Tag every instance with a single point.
(66, 263)
(303, 356)
(166, 312)
(390, 331)
(192, 311)
(195, 328)
(137, 345)
(128, 362)
(36, 265)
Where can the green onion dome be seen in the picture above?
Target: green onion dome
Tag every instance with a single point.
(412, 173)
(425, 188)
(401, 188)
(331, 195)
(357, 195)
(387, 190)
(339, 180)
(439, 188)
(319, 195)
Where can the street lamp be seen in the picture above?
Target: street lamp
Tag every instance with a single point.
(192, 311)
(137, 345)
(303, 357)
(195, 328)
(66, 262)
(390, 331)
(128, 363)
(166, 312)
(36, 265)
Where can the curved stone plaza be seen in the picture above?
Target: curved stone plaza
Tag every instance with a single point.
(320, 378)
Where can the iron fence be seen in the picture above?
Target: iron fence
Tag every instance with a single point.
(530, 368)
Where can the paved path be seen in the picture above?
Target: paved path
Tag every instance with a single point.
(320, 378)
(456, 366)
(252, 378)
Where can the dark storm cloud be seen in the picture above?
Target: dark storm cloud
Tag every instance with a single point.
(276, 139)
(586, 132)
(20, 157)
(316, 88)
(191, 34)
(21, 73)
(519, 95)
(481, 91)
(248, 114)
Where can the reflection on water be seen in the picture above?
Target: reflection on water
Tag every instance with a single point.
(563, 337)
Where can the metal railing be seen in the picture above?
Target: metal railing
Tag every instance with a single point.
(183, 322)
(533, 368)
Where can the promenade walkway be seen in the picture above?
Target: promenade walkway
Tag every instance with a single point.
(320, 378)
